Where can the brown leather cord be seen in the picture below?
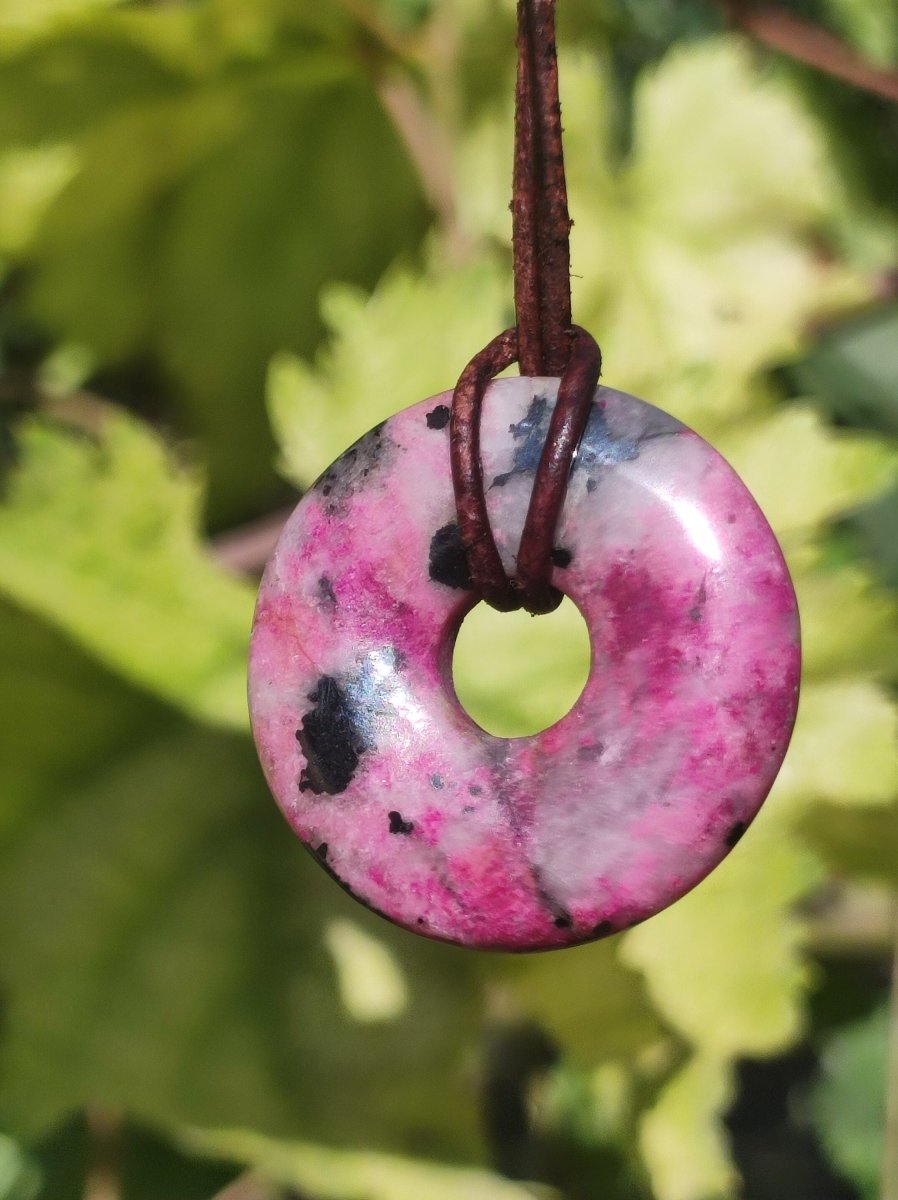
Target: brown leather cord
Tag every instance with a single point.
(544, 341)
(484, 564)
(569, 418)
(541, 225)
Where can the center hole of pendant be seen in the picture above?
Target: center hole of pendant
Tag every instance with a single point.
(516, 675)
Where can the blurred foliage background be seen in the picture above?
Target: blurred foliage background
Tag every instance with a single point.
(234, 234)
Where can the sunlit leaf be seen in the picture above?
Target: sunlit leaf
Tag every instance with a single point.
(723, 965)
(848, 624)
(845, 748)
(537, 668)
(409, 340)
(29, 181)
(803, 473)
(101, 538)
(22, 20)
(359, 1175)
(372, 986)
(695, 262)
(724, 968)
(755, 176)
(254, 171)
(681, 1142)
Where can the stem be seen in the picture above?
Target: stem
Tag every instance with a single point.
(250, 1187)
(247, 549)
(379, 30)
(811, 45)
(430, 153)
(542, 225)
(105, 1134)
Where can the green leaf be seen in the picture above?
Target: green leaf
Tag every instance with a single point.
(59, 717)
(590, 1000)
(844, 749)
(855, 842)
(803, 473)
(875, 524)
(848, 624)
(537, 669)
(19, 1175)
(360, 1175)
(324, 193)
(18, 20)
(848, 1103)
(853, 371)
(723, 965)
(214, 199)
(30, 179)
(95, 992)
(871, 26)
(755, 175)
(724, 969)
(74, 80)
(697, 254)
(681, 1139)
(100, 537)
(405, 342)
(372, 985)
(163, 937)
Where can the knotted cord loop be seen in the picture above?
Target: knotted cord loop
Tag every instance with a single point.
(569, 418)
(484, 564)
(529, 588)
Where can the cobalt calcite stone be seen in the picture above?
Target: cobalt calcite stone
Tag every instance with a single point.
(628, 801)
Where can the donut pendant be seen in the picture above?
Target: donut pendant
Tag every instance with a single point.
(627, 802)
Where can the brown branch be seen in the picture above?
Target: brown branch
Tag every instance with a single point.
(105, 1135)
(247, 549)
(249, 1187)
(379, 30)
(809, 44)
(426, 139)
(430, 153)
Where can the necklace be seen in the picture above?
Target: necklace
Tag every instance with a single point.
(517, 491)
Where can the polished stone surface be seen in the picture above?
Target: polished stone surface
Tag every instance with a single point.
(628, 801)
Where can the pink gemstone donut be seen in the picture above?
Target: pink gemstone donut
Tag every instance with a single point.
(627, 802)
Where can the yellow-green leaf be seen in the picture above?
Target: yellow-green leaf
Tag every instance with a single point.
(848, 623)
(593, 1003)
(100, 537)
(695, 260)
(723, 965)
(358, 1174)
(409, 340)
(803, 472)
(680, 1136)
(845, 748)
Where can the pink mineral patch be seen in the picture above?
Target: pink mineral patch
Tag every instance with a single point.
(635, 795)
